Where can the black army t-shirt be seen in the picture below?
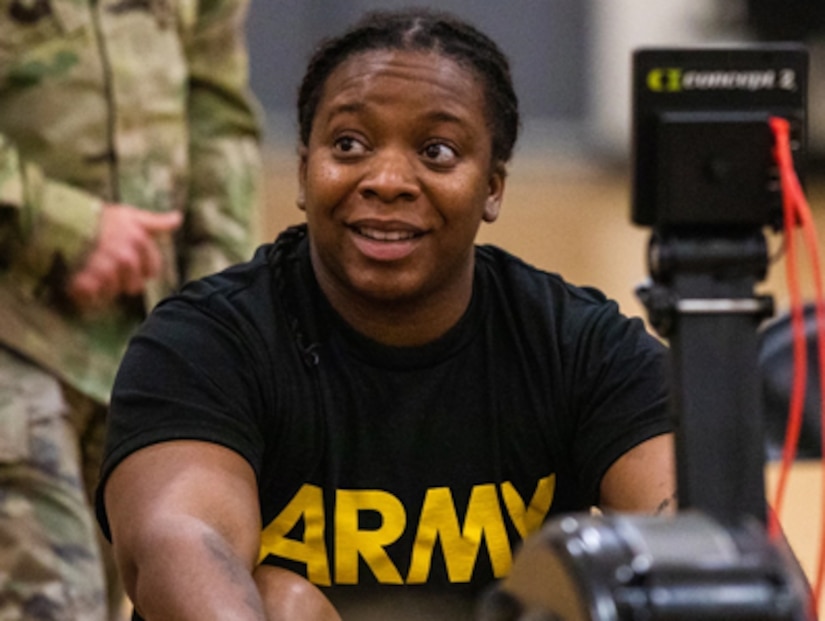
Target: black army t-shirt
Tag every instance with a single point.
(381, 466)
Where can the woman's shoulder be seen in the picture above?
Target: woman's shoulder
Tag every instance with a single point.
(523, 278)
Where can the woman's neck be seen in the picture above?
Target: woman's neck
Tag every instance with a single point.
(404, 322)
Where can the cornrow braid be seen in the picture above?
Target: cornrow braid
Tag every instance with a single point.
(420, 29)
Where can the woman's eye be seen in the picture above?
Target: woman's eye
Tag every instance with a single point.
(440, 153)
(349, 145)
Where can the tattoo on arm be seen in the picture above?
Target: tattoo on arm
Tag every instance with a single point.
(235, 573)
(667, 505)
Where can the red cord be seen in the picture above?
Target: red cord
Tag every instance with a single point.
(781, 152)
(797, 212)
(799, 361)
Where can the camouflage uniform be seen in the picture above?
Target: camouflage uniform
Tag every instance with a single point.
(139, 102)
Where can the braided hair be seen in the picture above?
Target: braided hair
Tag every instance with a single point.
(420, 29)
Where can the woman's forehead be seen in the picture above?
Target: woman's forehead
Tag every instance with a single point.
(402, 67)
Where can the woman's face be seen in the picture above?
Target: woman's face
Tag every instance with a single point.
(396, 179)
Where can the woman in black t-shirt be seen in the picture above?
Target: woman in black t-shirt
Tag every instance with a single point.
(373, 411)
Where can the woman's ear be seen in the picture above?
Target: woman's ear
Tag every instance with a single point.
(496, 195)
(302, 176)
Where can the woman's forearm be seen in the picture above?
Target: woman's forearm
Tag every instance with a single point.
(194, 576)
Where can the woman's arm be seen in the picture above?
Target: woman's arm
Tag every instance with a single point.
(643, 479)
(185, 528)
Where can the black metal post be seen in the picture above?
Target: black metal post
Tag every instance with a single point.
(703, 302)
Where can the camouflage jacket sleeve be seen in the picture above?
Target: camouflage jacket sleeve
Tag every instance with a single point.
(42, 220)
(224, 142)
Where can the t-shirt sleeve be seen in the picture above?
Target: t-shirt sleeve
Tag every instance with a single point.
(620, 391)
(187, 375)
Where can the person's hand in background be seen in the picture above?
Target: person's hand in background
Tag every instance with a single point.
(125, 256)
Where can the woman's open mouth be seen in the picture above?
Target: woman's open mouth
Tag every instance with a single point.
(385, 243)
(383, 235)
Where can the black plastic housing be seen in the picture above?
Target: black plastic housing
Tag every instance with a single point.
(701, 141)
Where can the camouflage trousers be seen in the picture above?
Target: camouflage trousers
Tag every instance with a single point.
(53, 561)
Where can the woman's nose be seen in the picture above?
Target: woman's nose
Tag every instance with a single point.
(391, 175)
